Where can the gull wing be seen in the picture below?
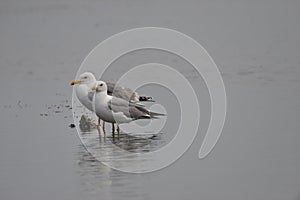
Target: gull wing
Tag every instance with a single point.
(129, 109)
(122, 92)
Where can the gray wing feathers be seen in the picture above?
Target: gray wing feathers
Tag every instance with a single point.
(129, 109)
(122, 92)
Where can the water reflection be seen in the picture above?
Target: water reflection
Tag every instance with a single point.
(129, 142)
(121, 152)
(97, 178)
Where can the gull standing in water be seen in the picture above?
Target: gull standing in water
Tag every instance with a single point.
(116, 110)
(85, 94)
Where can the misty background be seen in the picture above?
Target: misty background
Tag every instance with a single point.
(256, 46)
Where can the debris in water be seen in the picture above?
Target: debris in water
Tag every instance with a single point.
(86, 124)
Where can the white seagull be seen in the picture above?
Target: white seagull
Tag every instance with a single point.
(85, 94)
(116, 110)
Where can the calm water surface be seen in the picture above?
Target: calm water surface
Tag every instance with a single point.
(256, 46)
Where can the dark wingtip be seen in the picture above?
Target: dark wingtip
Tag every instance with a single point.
(155, 115)
(145, 98)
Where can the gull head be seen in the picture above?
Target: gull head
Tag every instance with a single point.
(84, 78)
(100, 86)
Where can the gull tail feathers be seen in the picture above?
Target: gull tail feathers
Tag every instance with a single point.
(156, 115)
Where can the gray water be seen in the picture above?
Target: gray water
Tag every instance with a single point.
(256, 46)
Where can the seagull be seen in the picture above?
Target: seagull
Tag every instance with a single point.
(83, 91)
(85, 94)
(116, 110)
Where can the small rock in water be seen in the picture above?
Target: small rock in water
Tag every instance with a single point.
(85, 123)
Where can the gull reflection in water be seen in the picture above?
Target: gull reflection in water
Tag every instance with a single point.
(118, 151)
(136, 143)
(97, 178)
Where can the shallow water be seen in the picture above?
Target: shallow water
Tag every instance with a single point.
(256, 46)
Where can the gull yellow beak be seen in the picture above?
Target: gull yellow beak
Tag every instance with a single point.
(94, 88)
(75, 82)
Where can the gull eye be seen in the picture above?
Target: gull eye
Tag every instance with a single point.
(85, 77)
(101, 84)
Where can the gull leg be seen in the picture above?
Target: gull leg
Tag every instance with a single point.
(99, 121)
(103, 127)
(113, 129)
(118, 130)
